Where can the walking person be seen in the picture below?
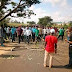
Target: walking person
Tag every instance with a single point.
(44, 31)
(28, 35)
(70, 49)
(1, 35)
(50, 48)
(8, 32)
(24, 33)
(40, 33)
(61, 33)
(37, 34)
(33, 33)
(68, 33)
(13, 31)
(19, 33)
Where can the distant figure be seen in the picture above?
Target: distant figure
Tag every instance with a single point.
(40, 33)
(8, 32)
(19, 33)
(48, 30)
(61, 33)
(1, 35)
(44, 32)
(13, 31)
(50, 47)
(33, 33)
(37, 34)
(24, 33)
(28, 35)
(70, 49)
(68, 34)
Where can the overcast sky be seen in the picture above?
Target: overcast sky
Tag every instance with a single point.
(59, 10)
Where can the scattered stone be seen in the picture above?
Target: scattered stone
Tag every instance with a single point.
(12, 49)
(29, 58)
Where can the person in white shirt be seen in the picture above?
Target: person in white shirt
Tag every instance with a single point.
(24, 33)
(48, 30)
(28, 34)
(8, 32)
(44, 32)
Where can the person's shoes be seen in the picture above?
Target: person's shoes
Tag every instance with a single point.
(2, 45)
(68, 66)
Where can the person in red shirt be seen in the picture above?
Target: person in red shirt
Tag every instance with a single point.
(19, 33)
(50, 47)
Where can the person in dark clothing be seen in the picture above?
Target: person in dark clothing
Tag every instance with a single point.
(70, 49)
(1, 35)
(33, 33)
(19, 32)
(13, 31)
(61, 33)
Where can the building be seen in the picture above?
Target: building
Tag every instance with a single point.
(58, 23)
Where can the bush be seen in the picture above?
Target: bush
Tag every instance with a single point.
(4, 23)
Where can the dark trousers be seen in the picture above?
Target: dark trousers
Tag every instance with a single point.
(4, 35)
(1, 40)
(70, 55)
(19, 37)
(13, 37)
(60, 36)
(44, 35)
(22, 38)
(33, 36)
(40, 36)
(28, 39)
(8, 34)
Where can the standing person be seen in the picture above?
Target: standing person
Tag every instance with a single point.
(13, 31)
(1, 35)
(44, 32)
(40, 33)
(61, 32)
(70, 49)
(28, 34)
(67, 33)
(19, 33)
(37, 34)
(33, 33)
(50, 47)
(56, 31)
(8, 31)
(24, 33)
(48, 30)
(4, 32)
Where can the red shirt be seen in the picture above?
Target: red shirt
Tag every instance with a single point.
(19, 30)
(50, 40)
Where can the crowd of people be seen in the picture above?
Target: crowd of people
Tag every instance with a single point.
(36, 34)
(28, 33)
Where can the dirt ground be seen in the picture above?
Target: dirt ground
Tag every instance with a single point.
(29, 58)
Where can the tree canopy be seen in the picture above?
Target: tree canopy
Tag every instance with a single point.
(31, 22)
(45, 21)
(70, 24)
(20, 8)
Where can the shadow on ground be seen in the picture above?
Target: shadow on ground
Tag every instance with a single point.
(9, 56)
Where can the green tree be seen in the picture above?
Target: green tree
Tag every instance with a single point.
(20, 8)
(70, 24)
(31, 22)
(65, 26)
(45, 21)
